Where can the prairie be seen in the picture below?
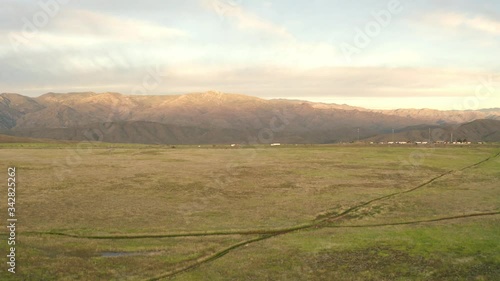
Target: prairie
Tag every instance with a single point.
(301, 212)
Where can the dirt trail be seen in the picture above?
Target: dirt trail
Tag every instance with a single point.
(329, 217)
(417, 221)
(266, 234)
(321, 223)
(264, 237)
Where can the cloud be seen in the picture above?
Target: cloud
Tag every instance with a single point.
(459, 20)
(269, 81)
(269, 50)
(484, 24)
(79, 41)
(246, 20)
(320, 84)
(243, 19)
(89, 23)
(76, 28)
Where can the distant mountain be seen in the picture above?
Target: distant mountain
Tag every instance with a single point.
(475, 131)
(433, 116)
(135, 132)
(13, 107)
(494, 110)
(479, 130)
(210, 117)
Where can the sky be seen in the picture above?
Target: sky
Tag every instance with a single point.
(383, 54)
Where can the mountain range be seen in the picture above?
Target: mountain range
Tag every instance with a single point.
(216, 118)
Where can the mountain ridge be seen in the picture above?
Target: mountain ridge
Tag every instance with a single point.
(224, 117)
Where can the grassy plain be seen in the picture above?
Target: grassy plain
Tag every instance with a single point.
(283, 213)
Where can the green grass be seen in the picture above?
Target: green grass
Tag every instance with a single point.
(45, 257)
(464, 250)
(121, 190)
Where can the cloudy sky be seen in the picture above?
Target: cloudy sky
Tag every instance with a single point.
(372, 53)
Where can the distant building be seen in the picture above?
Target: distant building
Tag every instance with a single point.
(275, 144)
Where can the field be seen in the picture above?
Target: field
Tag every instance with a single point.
(137, 212)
